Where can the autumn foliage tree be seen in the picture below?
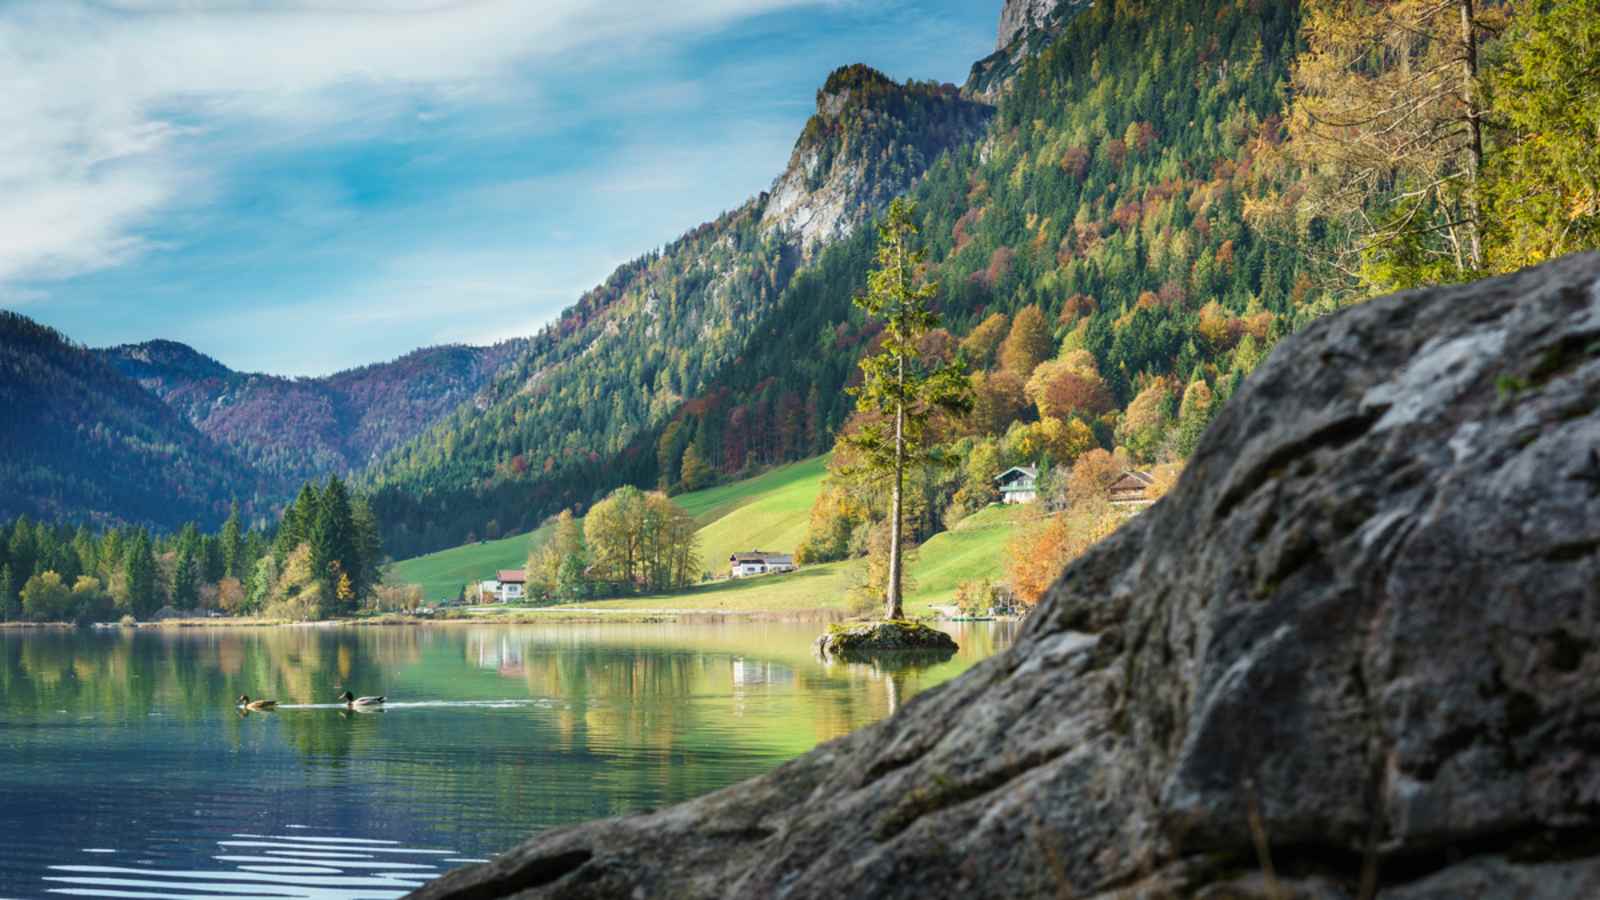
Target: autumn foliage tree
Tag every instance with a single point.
(1028, 344)
(1387, 125)
(1069, 386)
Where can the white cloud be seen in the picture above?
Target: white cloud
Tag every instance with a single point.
(107, 103)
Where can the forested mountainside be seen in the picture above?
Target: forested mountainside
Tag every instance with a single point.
(81, 441)
(567, 418)
(295, 429)
(1108, 193)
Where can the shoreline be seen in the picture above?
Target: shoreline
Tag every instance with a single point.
(521, 616)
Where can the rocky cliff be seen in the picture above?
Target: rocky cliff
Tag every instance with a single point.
(1027, 28)
(867, 143)
(1017, 17)
(1355, 647)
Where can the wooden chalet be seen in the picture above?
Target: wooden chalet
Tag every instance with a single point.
(1018, 484)
(1132, 490)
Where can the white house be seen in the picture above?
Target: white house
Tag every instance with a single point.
(759, 562)
(509, 585)
(1018, 484)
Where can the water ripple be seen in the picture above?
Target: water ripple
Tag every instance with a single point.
(304, 867)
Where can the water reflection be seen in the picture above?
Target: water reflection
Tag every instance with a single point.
(490, 733)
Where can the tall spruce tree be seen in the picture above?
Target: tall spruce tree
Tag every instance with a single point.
(186, 572)
(232, 544)
(332, 545)
(139, 567)
(901, 389)
(10, 609)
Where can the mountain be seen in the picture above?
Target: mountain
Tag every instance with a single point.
(83, 441)
(1027, 28)
(567, 418)
(294, 429)
(1107, 192)
(868, 141)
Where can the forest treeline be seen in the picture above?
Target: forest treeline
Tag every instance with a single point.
(321, 559)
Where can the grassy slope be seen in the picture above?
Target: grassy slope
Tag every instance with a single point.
(773, 516)
(774, 505)
(974, 549)
(768, 512)
(711, 504)
(443, 573)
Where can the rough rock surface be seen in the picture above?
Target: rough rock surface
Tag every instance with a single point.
(1360, 632)
(1020, 16)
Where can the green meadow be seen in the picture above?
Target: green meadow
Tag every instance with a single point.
(767, 512)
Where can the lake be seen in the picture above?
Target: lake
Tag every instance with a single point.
(126, 771)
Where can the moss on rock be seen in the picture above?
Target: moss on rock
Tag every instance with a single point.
(894, 636)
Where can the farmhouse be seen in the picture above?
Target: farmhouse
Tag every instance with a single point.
(509, 585)
(1018, 484)
(759, 562)
(1132, 490)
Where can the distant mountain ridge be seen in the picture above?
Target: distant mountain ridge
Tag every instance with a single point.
(82, 441)
(293, 429)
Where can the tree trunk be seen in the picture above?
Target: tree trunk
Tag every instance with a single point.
(1469, 99)
(892, 608)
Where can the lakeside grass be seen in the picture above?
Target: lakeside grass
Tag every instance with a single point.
(773, 505)
(767, 512)
(974, 549)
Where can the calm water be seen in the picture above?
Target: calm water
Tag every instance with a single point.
(125, 771)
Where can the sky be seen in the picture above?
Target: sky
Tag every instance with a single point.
(304, 186)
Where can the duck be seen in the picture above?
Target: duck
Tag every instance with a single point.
(352, 700)
(246, 703)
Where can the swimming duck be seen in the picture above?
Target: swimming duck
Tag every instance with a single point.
(247, 703)
(352, 700)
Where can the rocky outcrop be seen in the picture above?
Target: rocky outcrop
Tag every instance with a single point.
(1018, 17)
(868, 142)
(868, 638)
(1027, 28)
(1357, 641)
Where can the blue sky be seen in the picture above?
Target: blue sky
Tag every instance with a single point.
(302, 186)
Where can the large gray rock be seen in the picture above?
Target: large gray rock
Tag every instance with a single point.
(1358, 636)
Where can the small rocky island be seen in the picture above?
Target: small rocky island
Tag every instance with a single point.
(872, 638)
(1351, 654)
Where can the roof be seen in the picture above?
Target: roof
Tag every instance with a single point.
(1132, 480)
(761, 556)
(512, 576)
(1026, 471)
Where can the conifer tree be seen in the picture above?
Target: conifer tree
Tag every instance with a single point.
(9, 608)
(186, 573)
(139, 566)
(1546, 179)
(901, 390)
(232, 544)
(332, 547)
